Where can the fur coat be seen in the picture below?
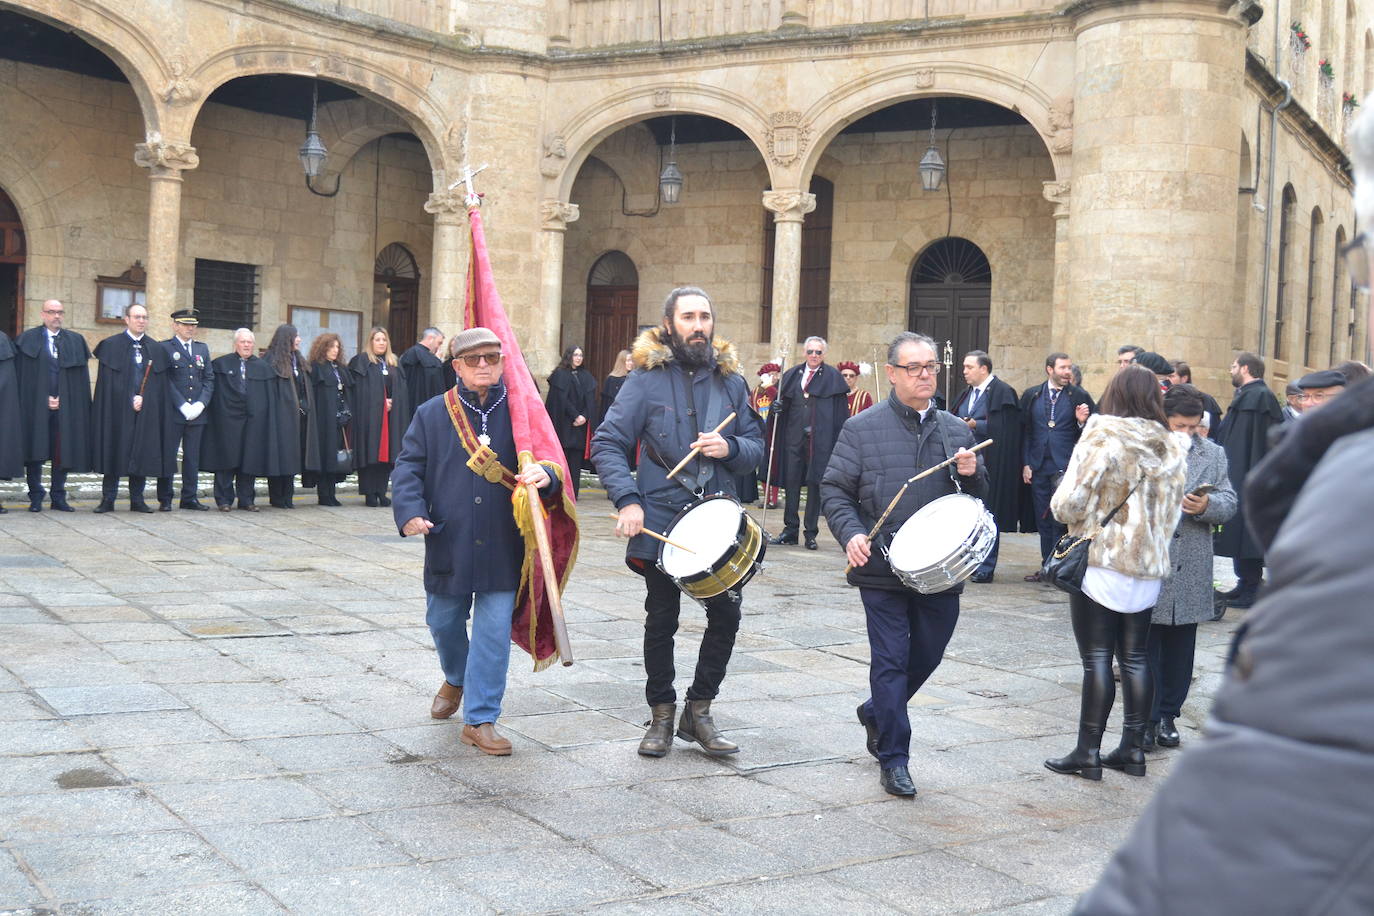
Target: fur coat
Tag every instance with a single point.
(1112, 456)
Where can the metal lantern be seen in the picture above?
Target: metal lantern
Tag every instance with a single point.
(670, 182)
(932, 165)
(313, 153)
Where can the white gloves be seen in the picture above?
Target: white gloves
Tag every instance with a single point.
(192, 410)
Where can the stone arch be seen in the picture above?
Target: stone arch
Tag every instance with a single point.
(841, 107)
(347, 126)
(131, 49)
(584, 131)
(627, 153)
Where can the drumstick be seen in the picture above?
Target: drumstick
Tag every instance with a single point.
(658, 537)
(696, 451)
(896, 499)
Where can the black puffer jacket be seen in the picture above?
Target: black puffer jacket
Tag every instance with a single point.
(877, 452)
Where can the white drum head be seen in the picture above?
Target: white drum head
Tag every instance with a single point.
(710, 529)
(935, 532)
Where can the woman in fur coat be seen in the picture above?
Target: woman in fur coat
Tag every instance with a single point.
(1126, 456)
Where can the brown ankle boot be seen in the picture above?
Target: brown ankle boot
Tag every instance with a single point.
(446, 701)
(486, 739)
(658, 740)
(697, 725)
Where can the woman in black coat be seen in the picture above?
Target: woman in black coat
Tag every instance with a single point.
(572, 404)
(380, 415)
(276, 413)
(332, 418)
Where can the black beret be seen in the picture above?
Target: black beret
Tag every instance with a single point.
(1155, 363)
(1325, 378)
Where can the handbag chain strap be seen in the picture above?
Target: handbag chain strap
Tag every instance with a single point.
(1107, 520)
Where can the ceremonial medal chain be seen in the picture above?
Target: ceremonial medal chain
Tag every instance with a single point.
(483, 437)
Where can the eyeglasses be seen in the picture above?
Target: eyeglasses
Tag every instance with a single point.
(815, 352)
(54, 311)
(1356, 255)
(916, 369)
(1317, 397)
(473, 360)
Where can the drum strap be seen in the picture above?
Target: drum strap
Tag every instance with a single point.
(944, 445)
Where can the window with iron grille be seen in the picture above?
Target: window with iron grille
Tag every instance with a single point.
(226, 294)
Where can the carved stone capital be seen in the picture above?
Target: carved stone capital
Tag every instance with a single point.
(787, 137)
(165, 157)
(449, 202)
(1059, 194)
(789, 206)
(555, 214)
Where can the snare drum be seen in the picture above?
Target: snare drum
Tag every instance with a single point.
(728, 546)
(943, 543)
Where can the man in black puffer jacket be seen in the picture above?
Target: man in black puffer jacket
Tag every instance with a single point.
(877, 451)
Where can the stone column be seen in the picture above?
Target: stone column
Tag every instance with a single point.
(1155, 145)
(1057, 193)
(789, 208)
(554, 218)
(165, 160)
(448, 267)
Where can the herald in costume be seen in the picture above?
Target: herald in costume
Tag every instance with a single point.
(225, 434)
(762, 398)
(812, 405)
(191, 384)
(130, 396)
(989, 407)
(54, 405)
(858, 399)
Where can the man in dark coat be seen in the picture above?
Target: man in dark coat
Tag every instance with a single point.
(989, 407)
(424, 370)
(11, 444)
(473, 550)
(1052, 418)
(130, 396)
(223, 447)
(54, 405)
(1245, 437)
(685, 382)
(876, 453)
(812, 405)
(191, 383)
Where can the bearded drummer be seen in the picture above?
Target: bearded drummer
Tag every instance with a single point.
(685, 382)
(876, 453)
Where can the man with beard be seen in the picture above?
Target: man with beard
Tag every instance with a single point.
(424, 370)
(988, 407)
(685, 382)
(54, 405)
(130, 397)
(191, 383)
(223, 446)
(1245, 437)
(1052, 418)
(812, 405)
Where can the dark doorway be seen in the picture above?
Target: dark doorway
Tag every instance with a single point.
(612, 311)
(397, 280)
(951, 295)
(11, 268)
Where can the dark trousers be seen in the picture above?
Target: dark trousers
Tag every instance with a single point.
(229, 484)
(1042, 491)
(573, 455)
(1250, 572)
(33, 470)
(798, 469)
(1171, 667)
(662, 604)
(281, 490)
(109, 488)
(190, 437)
(989, 564)
(1102, 633)
(372, 480)
(907, 635)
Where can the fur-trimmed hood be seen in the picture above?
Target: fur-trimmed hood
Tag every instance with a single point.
(651, 350)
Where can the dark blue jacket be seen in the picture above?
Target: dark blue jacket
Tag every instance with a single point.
(1038, 438)
(474, 545)
(190, 379)
(652, 409)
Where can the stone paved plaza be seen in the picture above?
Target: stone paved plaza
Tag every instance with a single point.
(228, 713)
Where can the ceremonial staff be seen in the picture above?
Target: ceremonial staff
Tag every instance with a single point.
(772, 443)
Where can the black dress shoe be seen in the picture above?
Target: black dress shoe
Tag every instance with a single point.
(60, 505)
(810, 543)
(249, 508)
(164, 505)
(384, 500)
(144, 507)
(4, 511)
(225, 508)
(1147, 737)
(786, 538)
(872, 740)
(106, 505)
(1245, 600)
(982, 580)
(897, 781)
(194, 505)
(1033, 577)
(1168, 734)
(371, 500)
(34, 507)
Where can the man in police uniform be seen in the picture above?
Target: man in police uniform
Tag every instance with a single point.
(191, 382)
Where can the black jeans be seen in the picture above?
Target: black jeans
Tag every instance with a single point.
(662, 604)
(798, 470)
(1171, 667)
(109, 488)
(229, 484)
(1100, 633)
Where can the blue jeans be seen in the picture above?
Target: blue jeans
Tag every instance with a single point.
(478, 666)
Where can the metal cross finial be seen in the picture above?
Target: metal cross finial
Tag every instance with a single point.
(472, 198)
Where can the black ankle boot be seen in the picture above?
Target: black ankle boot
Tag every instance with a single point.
(659, 737)
(697, 725)
(1168, 732)
(1128, 757)
(1084, 760)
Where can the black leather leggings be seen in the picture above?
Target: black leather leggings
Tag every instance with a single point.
(1102, 632)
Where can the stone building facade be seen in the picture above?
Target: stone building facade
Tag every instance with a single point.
(1169, 173)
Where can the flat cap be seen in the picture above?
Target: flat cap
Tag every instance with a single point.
(1154, 362)
(473, 338)
(185, 316)
(1326, 378)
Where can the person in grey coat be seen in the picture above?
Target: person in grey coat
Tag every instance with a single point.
(1186, 597)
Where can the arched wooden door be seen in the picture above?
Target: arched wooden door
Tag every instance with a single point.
(612, 311)
(12, 253)
(397, 272)
(951, 295)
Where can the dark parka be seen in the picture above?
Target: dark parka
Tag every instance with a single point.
(1271, 813)
(70, 379)
(652, 409)
(11, 444)
(824, 408)
(222, 449)
(877, 452)
(129, 442)
(1186, 595)
(1245, 436)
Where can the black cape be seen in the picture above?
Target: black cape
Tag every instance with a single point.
(129, 443)
(424, 374)
(222, 447)
(370, 388)
(1003, 457)
(572, 394)
(609, 389)
(272, 430)
(824, 410)
(1245, 437)
(332, 385)
(72, 451)
(11, 446)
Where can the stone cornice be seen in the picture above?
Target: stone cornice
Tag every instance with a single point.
(1309, 131)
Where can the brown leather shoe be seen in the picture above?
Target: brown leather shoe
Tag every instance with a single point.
(485, 739)
(446, 701)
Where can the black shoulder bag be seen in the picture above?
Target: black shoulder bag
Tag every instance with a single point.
(1065, 566)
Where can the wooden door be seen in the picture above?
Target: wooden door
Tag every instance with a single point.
(402, 317)
(612, 321)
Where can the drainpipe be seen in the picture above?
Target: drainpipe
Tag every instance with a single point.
(1269, 191)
